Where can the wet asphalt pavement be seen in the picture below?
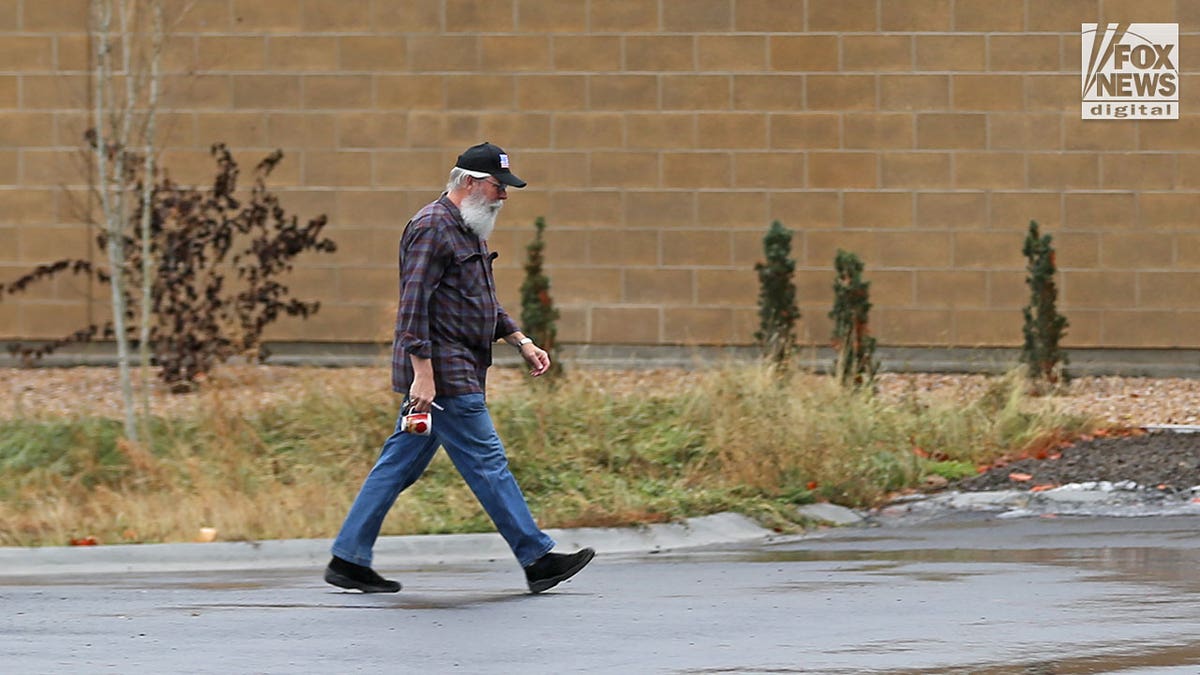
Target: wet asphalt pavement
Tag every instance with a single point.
(972, 594)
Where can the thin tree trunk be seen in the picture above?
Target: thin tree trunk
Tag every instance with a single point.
(148, 181)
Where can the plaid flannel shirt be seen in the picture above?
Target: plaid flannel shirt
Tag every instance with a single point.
(448, 309)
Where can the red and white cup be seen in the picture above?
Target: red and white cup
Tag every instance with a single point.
(419, 423)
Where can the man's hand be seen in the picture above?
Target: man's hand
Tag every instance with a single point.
(423, 390)
(536, 357)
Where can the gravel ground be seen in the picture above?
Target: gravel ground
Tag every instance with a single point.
(1167, 459)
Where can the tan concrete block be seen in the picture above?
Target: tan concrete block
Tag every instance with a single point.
(625, 325)
(1168, 290)
(1140, 329)
(363, 284)
(914, 92)
(237, 130)
(364, 129)
(565, 248)
(624, 248)
(588, 130)
(197, 16)
(951, 288)
(697, 16)
(840, 92)
(1051, 93)
(1172, 136)
(1098, 290)
(27, 53)
(1187, 250)
(41, 168)
(733, 209)
(1142, 10)
(585, 285)
(659, 53)
(433, 130)
(280, 92)
(268, 16)
(1079, 134)
(1024, 131)
(10, 317)
(551, 16)
(552, 92)
(409, 169)
(1007, 290)
(990, 170)
(780, 170)
(9, 91)
(736, 131)
(1129, 171)
(409, 91)
(518, 130)
(1023, 53)
(54, 92)
(621, 16)
(310, 54)
(10, 15)
(842, 170)
(799, 131)
(914, 327)
(10, 173)
(337, 16)
(28, 207)
(312, 131)
(372, 208)
(337, 168)
(589, 53)
(1014, 210)
(876, 53)
(623, 91)
(988, 250)
(1100, 211)
(989, 92)
(1061, 16)
(768, 91)
(556, 169)
(52, 319)
(655, 209)
(658, 286)
(411, 16)
(697, 248)
(951, 210)
(1169, 211)
(27, 129)
(223, 53)
(624, 169)
(889, 288)
(197, 92)
(1084, 329)
(727, 287)
(38, 244)
(514, 53)
(735, 53)
(807, 209)
(660, 130)
(988, 16)
(334, 92)
(45, 16)
(951, 52)
(696, 92)
(984, 328)
(698, 325)
(443, 53)
(74, 52)
(322, 283)
(1076, 250)
(877, 131)
(915, 169)
(1136, 250)
(1076, 170)
(831, 16)
(965, 131)
(871, 210)
(472, 16)
(821, 247)
(919, 249)
(918, 16)
(803, 53)
(697, 170)
(70, 127)
(372, 53)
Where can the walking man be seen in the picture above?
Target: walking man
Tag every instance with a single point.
(447, 320)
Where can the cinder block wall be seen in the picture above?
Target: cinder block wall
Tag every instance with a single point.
(659, 138)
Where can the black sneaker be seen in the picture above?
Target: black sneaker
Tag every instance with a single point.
(346, 574)
(554, 568)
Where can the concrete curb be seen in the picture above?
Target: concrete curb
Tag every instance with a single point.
(390, 552)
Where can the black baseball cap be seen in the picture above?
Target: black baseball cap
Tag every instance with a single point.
(487, 159)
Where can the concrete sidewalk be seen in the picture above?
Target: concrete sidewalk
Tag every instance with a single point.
(714, 530)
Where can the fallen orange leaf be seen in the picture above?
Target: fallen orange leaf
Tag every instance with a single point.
(1018, 476)
(1042, 488)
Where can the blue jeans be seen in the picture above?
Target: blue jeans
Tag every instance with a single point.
(464, 427)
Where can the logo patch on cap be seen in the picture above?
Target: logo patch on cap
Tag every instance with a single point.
(503, 161)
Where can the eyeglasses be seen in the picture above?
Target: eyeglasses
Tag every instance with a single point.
(500, 187)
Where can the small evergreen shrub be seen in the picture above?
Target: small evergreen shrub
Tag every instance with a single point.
(1044, 326)
(538, 314)
(777, 309)
(856, 364)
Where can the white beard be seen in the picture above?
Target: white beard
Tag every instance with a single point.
(479, 214)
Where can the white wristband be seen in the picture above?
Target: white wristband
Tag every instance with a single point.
(524, 341)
